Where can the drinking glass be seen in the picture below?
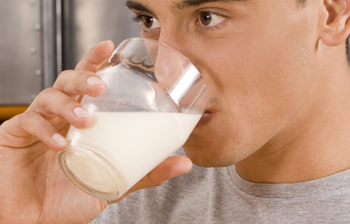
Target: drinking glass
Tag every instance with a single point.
(153, 101)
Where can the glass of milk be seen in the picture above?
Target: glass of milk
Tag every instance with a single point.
(153, 101)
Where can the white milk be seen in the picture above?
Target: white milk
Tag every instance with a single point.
(133, 142)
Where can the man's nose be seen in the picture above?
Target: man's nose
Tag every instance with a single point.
(173, 39)
(182, 42)
(169, 60)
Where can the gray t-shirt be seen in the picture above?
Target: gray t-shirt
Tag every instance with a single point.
(219, 195)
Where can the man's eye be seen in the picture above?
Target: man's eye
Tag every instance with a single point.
(149, 22)
(210, 19)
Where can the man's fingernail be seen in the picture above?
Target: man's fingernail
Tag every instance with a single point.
(94, 81)
(59, 139)
(109, 42)
(80, 112)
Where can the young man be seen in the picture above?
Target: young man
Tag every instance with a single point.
(279, 119)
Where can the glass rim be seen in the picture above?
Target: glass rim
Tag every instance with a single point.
(124, 42)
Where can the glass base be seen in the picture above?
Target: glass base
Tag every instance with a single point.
(90, 172)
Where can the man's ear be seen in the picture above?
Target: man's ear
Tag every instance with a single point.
(335, 22)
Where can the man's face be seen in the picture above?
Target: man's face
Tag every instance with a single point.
(256, 57)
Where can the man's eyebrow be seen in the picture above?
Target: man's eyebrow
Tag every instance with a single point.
(137, 6)
(190, 3)
(179, 5)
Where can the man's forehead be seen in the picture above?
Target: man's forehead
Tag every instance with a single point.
(177, 4)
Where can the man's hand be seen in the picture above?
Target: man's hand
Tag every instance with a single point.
(33, 188)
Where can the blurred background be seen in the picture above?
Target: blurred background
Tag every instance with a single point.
(40, 38)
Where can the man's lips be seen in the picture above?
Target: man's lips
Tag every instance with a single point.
(206, 117)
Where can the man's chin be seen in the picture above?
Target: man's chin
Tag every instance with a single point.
(202, 158)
